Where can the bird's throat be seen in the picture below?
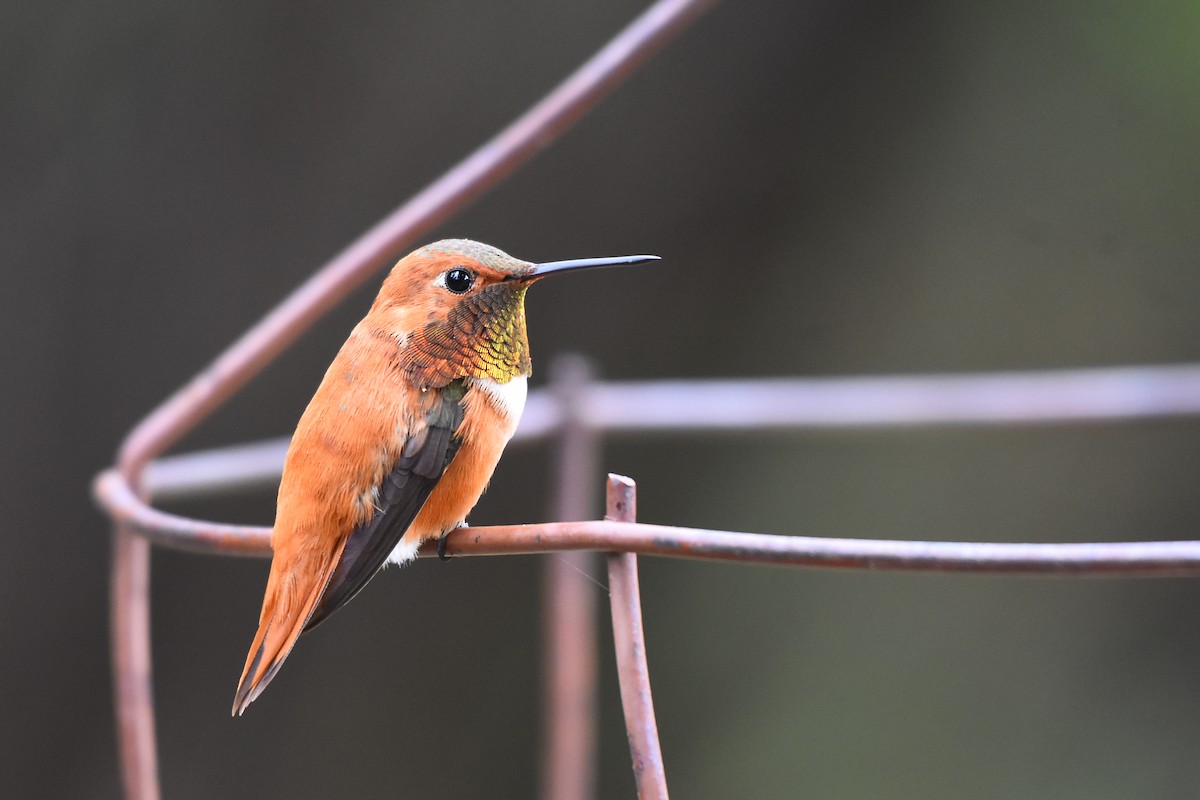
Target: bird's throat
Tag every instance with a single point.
(482, 337)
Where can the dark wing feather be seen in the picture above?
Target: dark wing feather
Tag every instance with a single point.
(403, 491)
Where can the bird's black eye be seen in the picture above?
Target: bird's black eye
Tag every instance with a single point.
(459, 280)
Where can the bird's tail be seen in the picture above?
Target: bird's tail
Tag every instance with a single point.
(294, 588)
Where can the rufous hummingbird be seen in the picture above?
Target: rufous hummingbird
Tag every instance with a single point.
(402, 435)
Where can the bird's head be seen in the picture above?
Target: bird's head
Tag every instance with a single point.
(457, 308)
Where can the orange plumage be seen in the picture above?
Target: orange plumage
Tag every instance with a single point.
(401, 437)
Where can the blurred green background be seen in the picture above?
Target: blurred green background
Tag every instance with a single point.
(836, 188)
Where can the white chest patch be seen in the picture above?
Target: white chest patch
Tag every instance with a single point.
(405, 552)
(508, 397)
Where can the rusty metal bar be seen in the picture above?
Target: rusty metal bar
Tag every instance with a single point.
(1126, 559)
(641, 728)
(569, 611)
(131, 664)
(981, 399)
(114, 495)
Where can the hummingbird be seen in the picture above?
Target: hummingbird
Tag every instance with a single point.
(402, 435)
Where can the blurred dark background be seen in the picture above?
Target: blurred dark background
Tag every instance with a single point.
(836, 188)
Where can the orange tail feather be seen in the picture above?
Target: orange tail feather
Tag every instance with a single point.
(293, 590)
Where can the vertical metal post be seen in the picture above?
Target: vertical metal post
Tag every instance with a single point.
(636, 699)
(132, 678)
(569, 728)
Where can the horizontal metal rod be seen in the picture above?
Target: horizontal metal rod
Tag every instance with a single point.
(969, 399)
(1106, 558)
(776, 404)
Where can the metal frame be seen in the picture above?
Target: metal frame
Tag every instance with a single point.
(576, 412)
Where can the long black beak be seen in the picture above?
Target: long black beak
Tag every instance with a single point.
(540, 270)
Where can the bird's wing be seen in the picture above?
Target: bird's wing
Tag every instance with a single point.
(356, 558)
(424, 457)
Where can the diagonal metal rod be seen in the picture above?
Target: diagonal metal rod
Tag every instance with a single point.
(641, 726)
(180, 413)
(497, 158)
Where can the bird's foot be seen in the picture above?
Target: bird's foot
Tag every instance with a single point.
(441, 545)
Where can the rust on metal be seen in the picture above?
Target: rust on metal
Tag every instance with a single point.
(641, 726)
(1163, 558)
(131, 663)
(1127, 559)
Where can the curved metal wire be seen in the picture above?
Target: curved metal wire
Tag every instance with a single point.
(1090, 558)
